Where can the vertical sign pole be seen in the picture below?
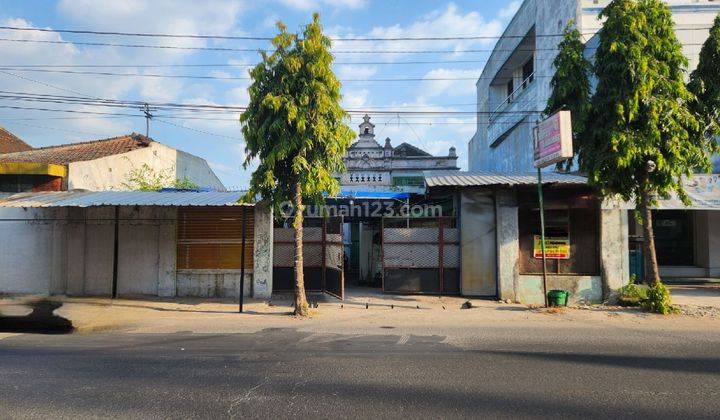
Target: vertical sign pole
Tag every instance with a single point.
(242, 261)
(542, 236)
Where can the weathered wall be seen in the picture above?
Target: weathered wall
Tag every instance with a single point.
(31, 255)
(110, 173)
(582, 288)
(197, 170)
(70, 251)
(263, 252)
(614, 250)
(508, 245)
(212, 283)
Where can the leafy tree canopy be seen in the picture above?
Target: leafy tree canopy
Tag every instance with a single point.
(571, 85)
(641, 132)
(705, 83)
(294, 124)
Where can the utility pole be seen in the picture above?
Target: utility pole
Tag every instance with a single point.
(148, 117)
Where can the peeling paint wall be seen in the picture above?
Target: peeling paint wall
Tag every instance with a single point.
(582, 288)
(70, 251)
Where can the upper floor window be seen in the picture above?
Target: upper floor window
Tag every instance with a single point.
(510, 89)
(528, 72)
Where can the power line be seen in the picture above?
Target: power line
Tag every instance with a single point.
(258, 50)
(269, 38)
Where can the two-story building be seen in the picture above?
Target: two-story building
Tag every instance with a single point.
(512, 93)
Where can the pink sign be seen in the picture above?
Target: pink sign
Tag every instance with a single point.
(552, 141)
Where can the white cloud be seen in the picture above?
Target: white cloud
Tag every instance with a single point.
(355, 71)
(509, 11)
(449, 82)
(354, 99)
(314, 4)
(450, 22)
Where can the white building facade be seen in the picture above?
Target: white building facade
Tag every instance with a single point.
(386, 167)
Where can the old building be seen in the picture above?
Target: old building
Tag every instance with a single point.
(515, 84)
(514, 88)
(99, 165)
(386, 167)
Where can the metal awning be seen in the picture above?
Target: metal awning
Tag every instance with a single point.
(486, 179)
(121, 198)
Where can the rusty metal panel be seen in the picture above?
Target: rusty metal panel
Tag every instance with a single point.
(479, 250)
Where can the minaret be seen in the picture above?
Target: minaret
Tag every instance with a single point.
(367, 129)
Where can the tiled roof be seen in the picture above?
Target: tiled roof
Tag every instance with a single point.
(77, 152)
(406, 149)
(9, 142)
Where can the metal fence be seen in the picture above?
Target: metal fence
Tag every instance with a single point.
(322, 257)
(423, 259)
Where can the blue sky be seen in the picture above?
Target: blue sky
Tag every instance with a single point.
(219, 140)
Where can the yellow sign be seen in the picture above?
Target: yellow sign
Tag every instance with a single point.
(556, 248)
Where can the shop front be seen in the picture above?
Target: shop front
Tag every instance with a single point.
(499, 233)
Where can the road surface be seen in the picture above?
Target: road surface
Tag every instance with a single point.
(508, 372)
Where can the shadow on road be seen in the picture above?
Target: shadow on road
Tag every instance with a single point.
(41, 320)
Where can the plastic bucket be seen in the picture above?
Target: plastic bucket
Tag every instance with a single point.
(557, 298)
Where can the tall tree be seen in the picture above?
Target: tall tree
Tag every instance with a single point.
(705, 83)
(571, 86)
(295, 127)
(641, 136)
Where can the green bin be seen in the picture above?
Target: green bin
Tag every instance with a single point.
(557, 298)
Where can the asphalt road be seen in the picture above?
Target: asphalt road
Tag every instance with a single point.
(282, 373)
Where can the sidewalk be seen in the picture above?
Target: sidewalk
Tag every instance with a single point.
(359, 313)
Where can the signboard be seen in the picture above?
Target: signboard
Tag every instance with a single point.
(552, 140)
(556, 248)
(703, 191)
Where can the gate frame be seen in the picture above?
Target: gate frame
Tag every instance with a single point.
(441, 251)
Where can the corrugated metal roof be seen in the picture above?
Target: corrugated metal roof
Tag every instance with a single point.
(479, 179)
(120, 198)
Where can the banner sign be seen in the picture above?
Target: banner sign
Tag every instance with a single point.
(703, 190)
(552, 140)
(556, 248)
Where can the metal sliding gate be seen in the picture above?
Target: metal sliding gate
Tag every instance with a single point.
(421, 259)
(322, 257)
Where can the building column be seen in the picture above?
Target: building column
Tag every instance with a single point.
(614, 249)
(508, 246)
(167, 251)
(263, 252)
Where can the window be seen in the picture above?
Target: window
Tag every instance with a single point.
(211, 238)
(528, 71)
(578, 225)
(510, 89)
(674, 237)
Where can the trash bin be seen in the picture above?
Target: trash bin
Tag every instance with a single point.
(557, 298)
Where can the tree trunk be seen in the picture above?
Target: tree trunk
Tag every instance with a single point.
(652, 273)
(301, 304)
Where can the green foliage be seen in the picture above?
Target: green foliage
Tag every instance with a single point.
(705, 84)
(632, 294)
(294, 124)
(185, 184)
(658, 300)
(640, 110)
(145, 178)
(571, 86)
